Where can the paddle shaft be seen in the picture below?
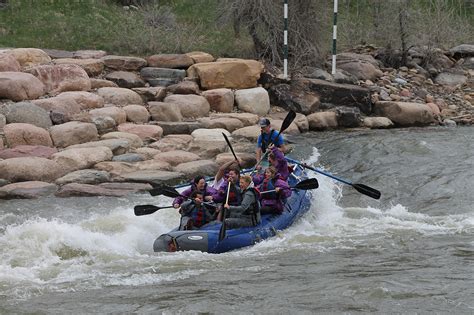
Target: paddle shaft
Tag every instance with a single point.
(310, 183)
(224, 213)
(363, 189)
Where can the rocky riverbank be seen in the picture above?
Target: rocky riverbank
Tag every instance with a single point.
(88, 123)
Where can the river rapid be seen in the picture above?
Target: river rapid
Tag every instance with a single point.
(412, 251)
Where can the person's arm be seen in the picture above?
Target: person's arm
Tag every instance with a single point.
(284, 189)
(220, 173)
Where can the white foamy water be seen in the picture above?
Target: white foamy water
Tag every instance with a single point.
(79, 251)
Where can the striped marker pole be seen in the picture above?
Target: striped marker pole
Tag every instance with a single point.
(285, 40)
(334, 36)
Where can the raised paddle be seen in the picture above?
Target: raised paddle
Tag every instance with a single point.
(307, 184)
(231, 149)
(148, 209)
(363, 189)
(285, 124)
(224, 213)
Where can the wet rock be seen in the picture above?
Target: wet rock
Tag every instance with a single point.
(348, 117)
(28, 189)
(74, 189)
(377, 122)
(88, 176)
(30, 169)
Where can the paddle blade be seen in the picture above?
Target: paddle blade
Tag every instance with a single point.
(288, 120)
(156, 191)
(222, 231)
(310, 183)
(166, 191)
(145, 209)
(368, 191)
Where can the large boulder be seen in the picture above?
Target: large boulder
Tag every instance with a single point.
(116, 113)
(210, 134)
(61, 78)
(61, 109)
(295, 96)
(124, 63)
(255, 100)
(405, 114)
(145, 132)
(176, 157)
(93, 67)
(26, 134)
(73, 132)
(89, 54)
(364, 67)
(340, 94)
(175, 61)
(247, 119)
(161, 111)
(8, 63)
(30, 169)
(194, 168)
(25, 112)
(162, 76)
(87, 176)
(134, 140)
(232, 74)
(322, 121)
(19, 86)
(118, 146)
(172, 143)
(191, 106)
(137, 113)
(86, 100)
(153, 93)
(199, 56)
(220, 100)
(119, 96)
(229, 124)
(125, 79)
(28, 57)
(29, 189)
(26, 151)
(82, 158)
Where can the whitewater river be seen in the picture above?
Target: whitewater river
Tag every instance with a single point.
(410, 252)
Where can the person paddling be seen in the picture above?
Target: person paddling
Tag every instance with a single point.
(247, 212)
(278, 161)
(278, 190)
(266, 137)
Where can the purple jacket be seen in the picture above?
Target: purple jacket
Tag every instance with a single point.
(274, 199)
(234, 194)
(208, 191)
(282, 164)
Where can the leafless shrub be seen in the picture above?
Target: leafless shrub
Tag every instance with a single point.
(263, 20)
(159, 16)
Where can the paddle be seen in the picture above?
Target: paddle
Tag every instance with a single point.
(147, 209)
(231, 149)
(165, 190)
(310, 183)
(285, 124)
(363, 189)
(224, 213)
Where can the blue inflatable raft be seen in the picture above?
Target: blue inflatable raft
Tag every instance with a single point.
(206, 240)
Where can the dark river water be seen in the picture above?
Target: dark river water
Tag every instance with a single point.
(412, 251)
